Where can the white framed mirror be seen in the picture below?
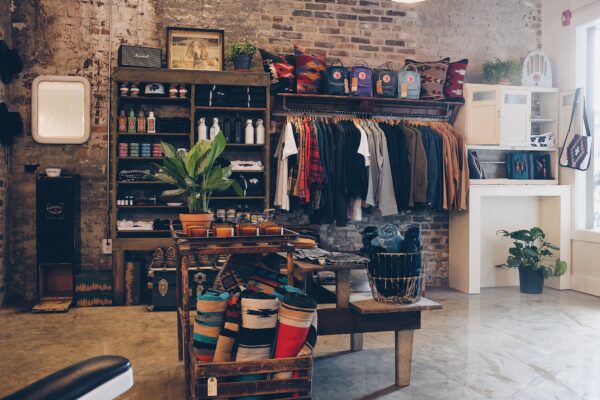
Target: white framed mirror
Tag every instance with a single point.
(60, 112)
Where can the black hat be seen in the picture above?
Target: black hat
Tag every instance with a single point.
(10, 62)
(11, 125)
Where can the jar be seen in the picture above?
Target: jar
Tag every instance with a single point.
(221, 214)
(183, 92)
(247, 229)
(173, 91)
(223, 230)
(230, 214)
(273, 230)
(124, 89)
(135, 89)
(197, 231)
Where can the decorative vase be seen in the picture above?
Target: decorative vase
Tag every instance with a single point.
(201, 220)
(242, 63)
(531, 281)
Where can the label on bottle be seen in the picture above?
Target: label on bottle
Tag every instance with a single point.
(131, 125)
(151, 125)
(122, 124)
(141, 125)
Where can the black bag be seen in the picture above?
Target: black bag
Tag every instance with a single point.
(577, 150)
(385, 81)
(336, 79)
(475, 170)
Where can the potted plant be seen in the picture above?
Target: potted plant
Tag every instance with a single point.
(241, 54)
(196, 175)
(533, 256)
(504, 72)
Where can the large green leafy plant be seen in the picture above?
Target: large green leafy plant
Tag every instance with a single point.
(195, 173)
(531, 250)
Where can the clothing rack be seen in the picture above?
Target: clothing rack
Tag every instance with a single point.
(360, 114)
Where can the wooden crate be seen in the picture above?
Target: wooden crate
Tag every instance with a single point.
(227, 387)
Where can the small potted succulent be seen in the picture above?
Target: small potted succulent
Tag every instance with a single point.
(196, 175)
(503, 72)
(534, 257)
(241, 54)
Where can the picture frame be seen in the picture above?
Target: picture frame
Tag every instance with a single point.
(195, 49)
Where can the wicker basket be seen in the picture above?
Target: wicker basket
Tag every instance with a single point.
(391, 277)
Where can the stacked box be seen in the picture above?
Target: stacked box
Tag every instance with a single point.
(93, 288)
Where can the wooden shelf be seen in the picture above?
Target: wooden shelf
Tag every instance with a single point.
(245, 146)
(139, 158)
(237, 198)
(150, 207)
(506, 181)
(225, 108)
(508, 148)
(154, 99)
(138, 183)
(150, 135)
(320, 97)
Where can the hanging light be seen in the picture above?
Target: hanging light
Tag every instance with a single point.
(408, 1)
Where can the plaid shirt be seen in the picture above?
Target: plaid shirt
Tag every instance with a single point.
(316, 176)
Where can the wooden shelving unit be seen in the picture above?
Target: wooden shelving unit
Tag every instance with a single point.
(164, 106)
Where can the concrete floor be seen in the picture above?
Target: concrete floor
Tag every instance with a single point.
(498, 345)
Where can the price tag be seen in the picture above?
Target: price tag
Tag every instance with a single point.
(404, 90)
(212, 387)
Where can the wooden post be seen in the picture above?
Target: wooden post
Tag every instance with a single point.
(185, 316)
(356, 341)
(119, 278)
(178, 291)
(404, 346)
(290, 267)
(342, 292)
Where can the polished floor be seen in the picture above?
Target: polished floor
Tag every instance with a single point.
(497, 345)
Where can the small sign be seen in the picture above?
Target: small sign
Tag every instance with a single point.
(212, 386)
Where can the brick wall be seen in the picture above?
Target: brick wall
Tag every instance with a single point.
(4, 97)
(72, 38)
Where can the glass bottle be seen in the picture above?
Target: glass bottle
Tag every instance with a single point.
(237, 131)
(131, 120)
(141, 122)
(122, 122)
(202, 130)
(260, 132)
(215, 128)
(249, 133)
(151, 121)
(227, 130)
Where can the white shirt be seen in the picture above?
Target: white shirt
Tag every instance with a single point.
(286, 148)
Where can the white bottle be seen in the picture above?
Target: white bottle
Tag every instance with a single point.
(215, 128)
(202, 131)
(249, 133)
(151, 121)
(260, 132)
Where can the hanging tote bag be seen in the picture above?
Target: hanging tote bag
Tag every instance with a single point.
(336, 79)
(409, 83)
(577, 149)
(385, 81)
(361, 79)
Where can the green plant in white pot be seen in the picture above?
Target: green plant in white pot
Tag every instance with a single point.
(196, 175)
(534, 257)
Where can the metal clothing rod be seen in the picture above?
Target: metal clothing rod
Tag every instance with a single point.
(329, 114)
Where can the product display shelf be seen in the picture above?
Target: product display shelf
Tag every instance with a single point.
(164, 106)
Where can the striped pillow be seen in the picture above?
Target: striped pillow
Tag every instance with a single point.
(309, 71)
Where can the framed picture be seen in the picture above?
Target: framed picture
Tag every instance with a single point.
(196, 49)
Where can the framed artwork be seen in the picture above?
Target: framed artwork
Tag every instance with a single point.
(195, 49)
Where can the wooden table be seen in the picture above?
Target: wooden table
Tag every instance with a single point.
(361, 316)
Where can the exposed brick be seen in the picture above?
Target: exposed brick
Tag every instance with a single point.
(321, 14)
(387, 19)
(369, 3)
(282, 27)
(368, 18)
(347, 2)
(349, 17)
(366, 47)
(399, 43)
(394, 13)
(357, 10)
(325, 45)
(302, 13)
(331, 31)
(360, 40)
(318, 7)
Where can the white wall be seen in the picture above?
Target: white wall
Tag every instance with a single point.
(559, 43)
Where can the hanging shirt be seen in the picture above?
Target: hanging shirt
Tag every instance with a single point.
(286, 148)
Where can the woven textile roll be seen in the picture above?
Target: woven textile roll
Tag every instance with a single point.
(225, 344)
(210, 315)
(294, 321)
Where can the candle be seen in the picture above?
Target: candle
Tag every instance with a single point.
(223, 230)
(248, 230)
(198, 231)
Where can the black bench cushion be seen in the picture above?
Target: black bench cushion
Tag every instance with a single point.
(74, 381)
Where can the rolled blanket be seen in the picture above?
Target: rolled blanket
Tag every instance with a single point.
(388, 237)
(264, 281)
(281, 291)
(311, 338)
(257, 332)
(294, 321)
(225, 343)
(210, 313)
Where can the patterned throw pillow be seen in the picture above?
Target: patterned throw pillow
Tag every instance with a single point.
(309, 71)
(433, 77)
(455, 80)
(281, 70)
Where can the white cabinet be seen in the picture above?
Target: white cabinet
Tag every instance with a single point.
(496, 115)
(515, 117)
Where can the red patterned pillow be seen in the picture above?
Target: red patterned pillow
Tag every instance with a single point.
(433, 77)
(455, 80)
(309, 71)
(281, 70)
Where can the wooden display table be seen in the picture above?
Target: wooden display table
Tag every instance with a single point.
(361, 316)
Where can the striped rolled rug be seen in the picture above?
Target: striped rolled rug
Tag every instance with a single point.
(225, 344)
(210, 316)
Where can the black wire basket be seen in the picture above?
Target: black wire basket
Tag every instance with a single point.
(396, 277)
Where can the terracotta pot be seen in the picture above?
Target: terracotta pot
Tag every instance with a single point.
(203, 220)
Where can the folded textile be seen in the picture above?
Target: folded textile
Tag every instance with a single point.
(317, 255)
(264, 281)
(283, 290)
(412, 240)
(126, 225)
(388, 237)
(293, 323)
(224, 351)
(210, 315)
